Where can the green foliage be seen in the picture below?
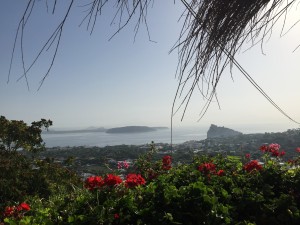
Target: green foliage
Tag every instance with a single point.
(209, 190)
(21, 177)
(16, 134)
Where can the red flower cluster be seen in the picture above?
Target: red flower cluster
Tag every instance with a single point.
(93, 182)
(221, 173)
(133, 180)
(23, 206)
(207, 168)
(252, 165)
(210, 168)
(9, 211)
(298, 149)
(167, 161)
(112, 180)
(16, 211)
(273, 149)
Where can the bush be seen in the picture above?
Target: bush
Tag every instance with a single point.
(21, 177)
(210, 190)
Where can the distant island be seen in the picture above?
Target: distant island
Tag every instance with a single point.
(221, 132)
(133, 129)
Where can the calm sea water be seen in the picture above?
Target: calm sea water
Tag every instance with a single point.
(180, 135)
(102, 139)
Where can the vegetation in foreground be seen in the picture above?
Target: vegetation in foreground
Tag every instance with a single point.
(209, 190)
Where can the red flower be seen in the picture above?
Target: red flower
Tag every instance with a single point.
(116, 216)
(298, 149)
(133, 180)
(275, 153)
(207, 167)
(247, 156)
(282, 153)
(9, 211)
(252, 165)
(23, 206)
(274, 147)
(13, 211)
(167, 161)
(221, 173)
(111, 180)
(263, 148)
(93, 182)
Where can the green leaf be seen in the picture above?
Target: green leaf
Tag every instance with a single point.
(224, 193)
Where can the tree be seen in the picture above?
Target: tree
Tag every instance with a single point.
(213, 32)
(16, 134)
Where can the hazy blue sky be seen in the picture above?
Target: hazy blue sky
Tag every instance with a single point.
(96, 82)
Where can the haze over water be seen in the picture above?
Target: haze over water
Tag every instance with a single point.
(180, 135)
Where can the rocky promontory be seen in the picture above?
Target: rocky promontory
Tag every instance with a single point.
(216, 132)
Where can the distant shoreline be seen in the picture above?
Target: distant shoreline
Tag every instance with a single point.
(125, 129)
(74, 131)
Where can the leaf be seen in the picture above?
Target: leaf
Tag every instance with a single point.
(224, 193)
(9, 221)
(170, 193)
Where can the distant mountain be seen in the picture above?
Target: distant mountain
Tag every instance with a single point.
(133, 129)
(216, 132)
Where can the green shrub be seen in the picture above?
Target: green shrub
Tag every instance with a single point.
(210, 190)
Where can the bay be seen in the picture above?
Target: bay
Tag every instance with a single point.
(102, 139)
(180, 135)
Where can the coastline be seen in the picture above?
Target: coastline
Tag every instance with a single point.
(102, 139)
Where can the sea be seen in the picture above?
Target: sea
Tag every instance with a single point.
(102, 139)
(179, 135)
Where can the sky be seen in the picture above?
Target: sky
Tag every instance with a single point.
(130, 80)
